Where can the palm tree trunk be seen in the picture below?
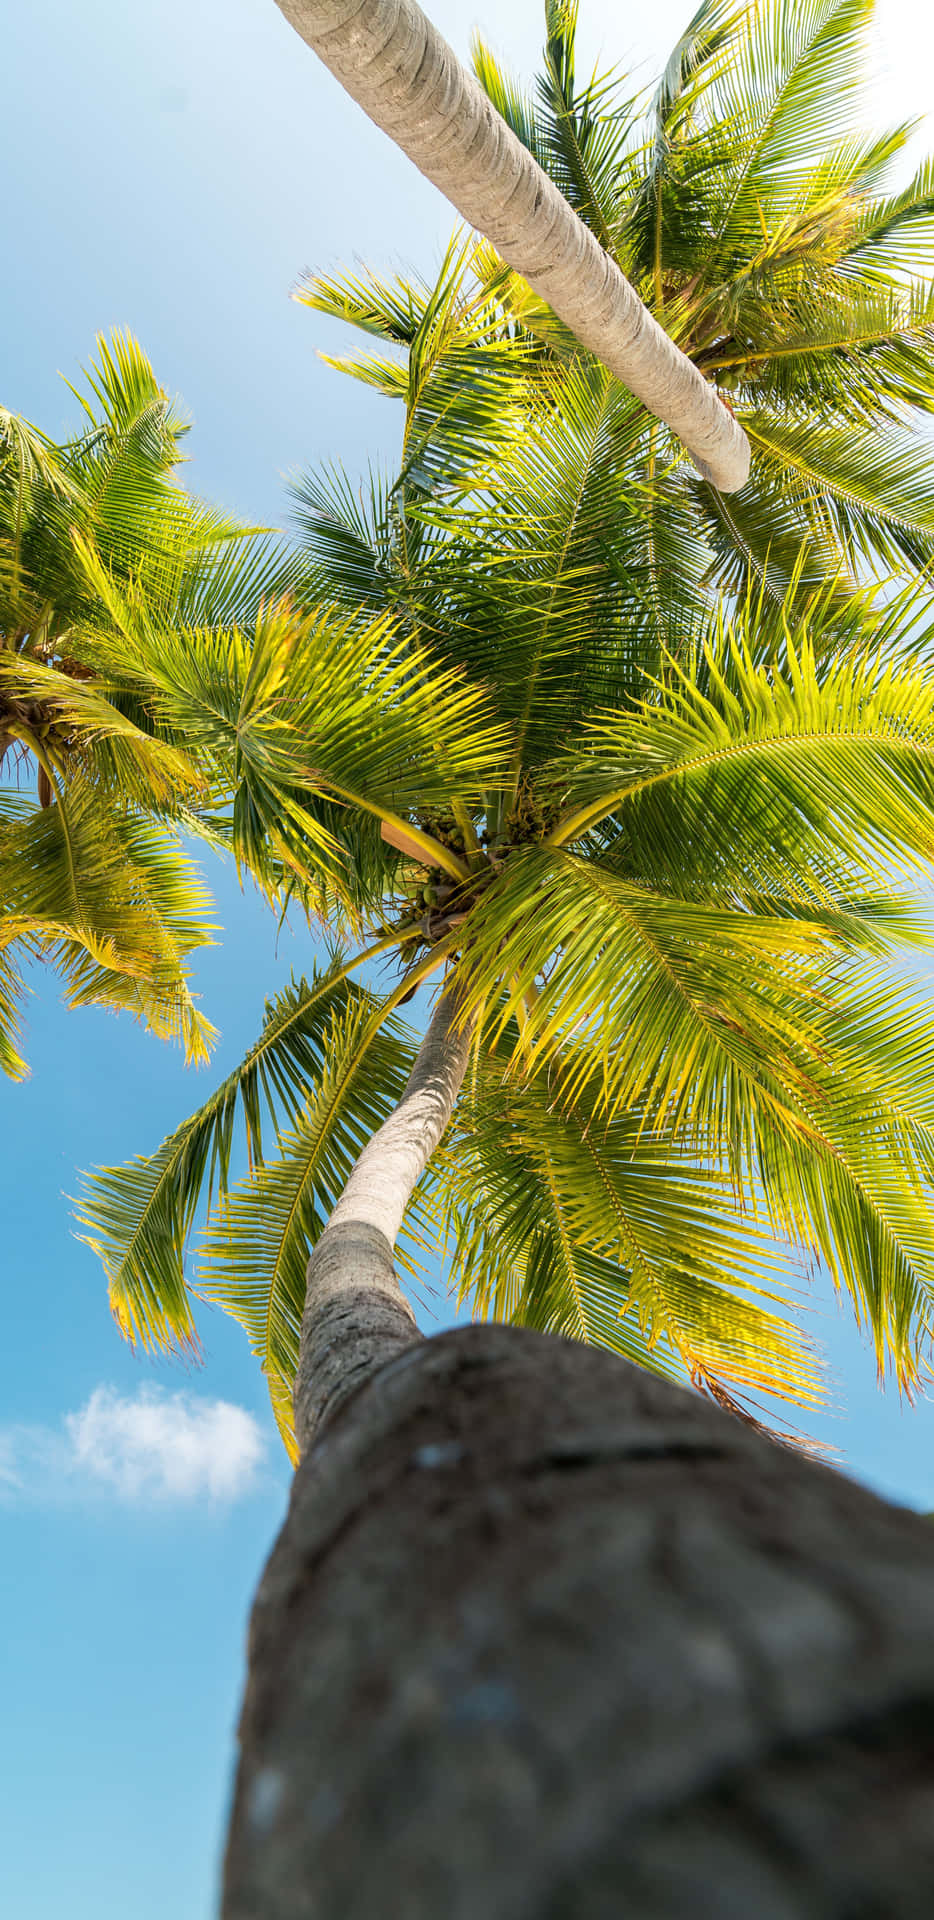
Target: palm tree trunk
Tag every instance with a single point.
(356, 1316)
(393, 62)
(547, 1638)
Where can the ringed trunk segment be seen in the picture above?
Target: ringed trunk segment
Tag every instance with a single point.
(356, 1316)
(400, 70)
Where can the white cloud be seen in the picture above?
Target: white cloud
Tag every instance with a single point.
(171, 1445)
(153, 1446)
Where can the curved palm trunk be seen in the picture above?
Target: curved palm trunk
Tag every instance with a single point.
(397, 67)
(547, 1638)
(356, 1315)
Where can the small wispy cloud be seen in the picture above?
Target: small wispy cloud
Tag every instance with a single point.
(151, 1446)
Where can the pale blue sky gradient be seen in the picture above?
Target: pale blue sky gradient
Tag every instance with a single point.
(172, 169)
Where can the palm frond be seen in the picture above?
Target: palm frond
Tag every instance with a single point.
(260, 1236)
(138, 1217)
(847, 746)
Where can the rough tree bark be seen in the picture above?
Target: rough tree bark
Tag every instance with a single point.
(394, 63)
(546, 1638)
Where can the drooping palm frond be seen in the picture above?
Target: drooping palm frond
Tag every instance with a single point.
(259, 1237)
(717, 1029)
(114, 903)
(139, 1217)
(606, 1232)
(734, 744)
(322, 719)
(96, 522)
(76, 723)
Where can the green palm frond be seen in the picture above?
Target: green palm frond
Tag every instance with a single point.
(724, 1030)
(512, 101)
(895, 232)
(348, 536)
(73, 721)
(585, 132)
(260, 1236)
(114, 903)
(860, 1197)
(735, 744)
(12, 991)
(558, 600)
(859, 354)
(660, 1002)
(99, 547)
(876, 490)
(606, 1232)
(459, 374)
(325, 717)
(796, 75)
(139, 1217)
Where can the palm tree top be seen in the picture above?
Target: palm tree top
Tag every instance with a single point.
(409, 81)
(765, 224)
(651, 784)
(99, 801)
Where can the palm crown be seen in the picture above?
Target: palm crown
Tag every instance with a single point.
(657, 837)
(94, 874)
(759, 221)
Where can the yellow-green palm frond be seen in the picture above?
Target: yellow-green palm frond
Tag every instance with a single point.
(755, 1044)
(115, 904)
(322, 724)
(259, 1238)
(460, 371)
(139, 1217)
(75, 722)
(734, 745)
(12, 988)
(894, 232)
(607, 1232)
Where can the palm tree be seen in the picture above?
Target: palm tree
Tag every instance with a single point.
(655, 839)
(754, 210)
(98, 799)
(759, 222)
(397, 67)
(671, 1028)
(660, 880)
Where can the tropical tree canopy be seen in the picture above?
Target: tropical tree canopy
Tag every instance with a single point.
(764, 223)
(527, 715)
(403, 74)
(98, 796)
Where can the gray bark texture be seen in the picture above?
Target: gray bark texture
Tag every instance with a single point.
(547, 1638)
(356, 1316)
(400, 70)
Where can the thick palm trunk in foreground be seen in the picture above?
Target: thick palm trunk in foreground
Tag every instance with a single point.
(394, 63)
(547, 1638)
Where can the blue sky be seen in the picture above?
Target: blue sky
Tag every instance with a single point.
(172, 169)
